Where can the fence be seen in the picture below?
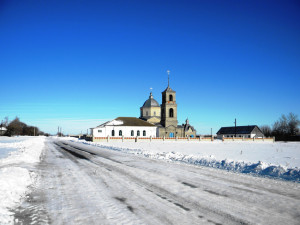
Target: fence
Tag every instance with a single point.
(148, 139)
(248, 139)
(157, 139)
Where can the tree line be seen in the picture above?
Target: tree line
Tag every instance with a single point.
(286, 128)
(16, 127)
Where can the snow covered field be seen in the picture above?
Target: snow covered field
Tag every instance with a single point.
(17, 157)
(277, 159)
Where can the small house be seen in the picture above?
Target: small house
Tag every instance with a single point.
(2, 130)
(240, 131)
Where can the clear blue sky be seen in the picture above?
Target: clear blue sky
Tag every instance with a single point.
(76, 64)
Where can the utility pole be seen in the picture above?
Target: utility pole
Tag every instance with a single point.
(33, 131)
(235, 127)
(211, 132)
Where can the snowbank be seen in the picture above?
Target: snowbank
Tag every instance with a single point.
(15, 177)
(281, 160)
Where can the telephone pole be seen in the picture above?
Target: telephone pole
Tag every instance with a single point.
(235, 127)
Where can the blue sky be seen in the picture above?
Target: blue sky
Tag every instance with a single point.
(76, 64)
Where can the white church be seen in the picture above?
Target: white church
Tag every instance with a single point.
(155, 121)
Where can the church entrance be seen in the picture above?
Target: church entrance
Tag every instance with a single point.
(171, 135)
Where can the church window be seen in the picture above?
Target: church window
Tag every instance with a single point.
(170, 97)
(146, 113)
(120, 132)
(113, 133)
(144, 133)
(154, 113)
(138, 133)
(171, 113)
(132, 133)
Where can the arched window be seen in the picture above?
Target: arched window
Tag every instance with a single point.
(170, 97)
(154, 113)
(144, 133)
(171, 113)
(132, 133)
(120, 133)
(113, 133)
(138, 133)
(146, 113)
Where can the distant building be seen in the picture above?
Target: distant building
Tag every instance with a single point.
(2, 130)
(240, 131)
(125, 126)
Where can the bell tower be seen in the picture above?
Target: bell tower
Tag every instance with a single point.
(169, 106)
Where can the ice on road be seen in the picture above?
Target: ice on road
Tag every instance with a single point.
(81, 184)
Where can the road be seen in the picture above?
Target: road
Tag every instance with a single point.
(81, 184)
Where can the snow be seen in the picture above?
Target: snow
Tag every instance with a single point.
(92, 184)
(277, 159)
(21, 153)
(66, 196)
(8, 144)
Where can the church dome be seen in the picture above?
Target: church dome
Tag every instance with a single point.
(151, 102)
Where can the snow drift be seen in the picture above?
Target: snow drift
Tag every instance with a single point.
(237, 165)
(15, 172)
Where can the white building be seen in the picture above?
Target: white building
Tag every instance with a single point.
(2, 130)
(240, 131)
(126, 127)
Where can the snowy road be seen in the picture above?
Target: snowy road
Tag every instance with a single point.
(100, 186)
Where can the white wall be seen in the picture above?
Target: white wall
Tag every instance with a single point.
(237, 135)
(126, 131)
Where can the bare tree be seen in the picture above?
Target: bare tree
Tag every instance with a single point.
(286, 126)
(4, 123)
(293, 124)
(280, 127)
(15, 127)
(266, 129)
